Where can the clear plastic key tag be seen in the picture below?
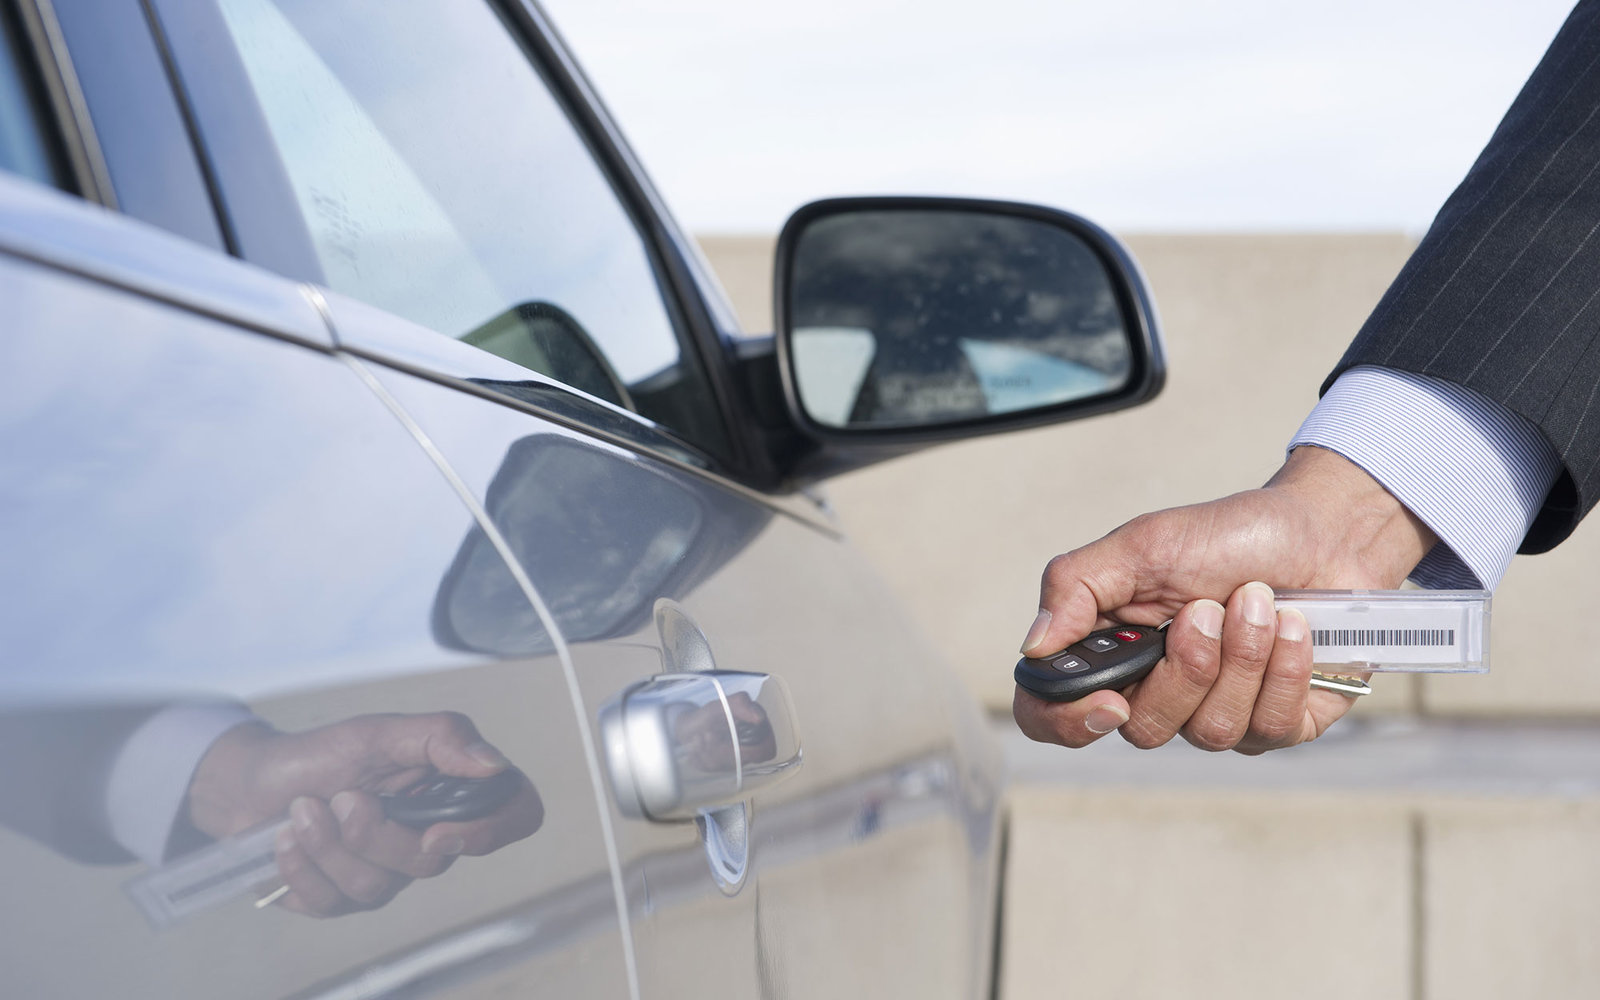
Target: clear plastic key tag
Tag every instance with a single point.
(1418, 631)
(242, 865)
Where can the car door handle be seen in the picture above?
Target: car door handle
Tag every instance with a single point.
(679, 744)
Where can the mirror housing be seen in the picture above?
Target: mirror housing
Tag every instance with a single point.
(906, 322)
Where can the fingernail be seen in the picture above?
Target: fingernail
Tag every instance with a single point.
(1291, 625)
(1258, 604)
(488, 756)
(450, 845)
(1041, 624)
(1103, 719)
(300, 813)
(1208, 619)
(343, 805)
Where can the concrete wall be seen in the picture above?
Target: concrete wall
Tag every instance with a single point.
(1442, 843)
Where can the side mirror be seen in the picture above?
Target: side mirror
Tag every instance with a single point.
(907, 321)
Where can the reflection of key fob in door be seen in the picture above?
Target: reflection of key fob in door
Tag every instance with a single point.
(1110, 658)
(443, 798)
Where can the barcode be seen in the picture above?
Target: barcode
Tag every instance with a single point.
(1383, 637)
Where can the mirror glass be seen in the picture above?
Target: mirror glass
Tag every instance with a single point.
(921, 317)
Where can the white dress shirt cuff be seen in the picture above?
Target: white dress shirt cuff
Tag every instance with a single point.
(149, 784)
(1470, 469)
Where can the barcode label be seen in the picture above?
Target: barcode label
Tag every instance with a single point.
(1383, 638)
(1434, 631)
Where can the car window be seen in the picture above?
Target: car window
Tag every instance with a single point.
(23, 147)
(441, 180)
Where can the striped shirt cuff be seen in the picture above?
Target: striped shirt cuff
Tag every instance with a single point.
(1470, 469)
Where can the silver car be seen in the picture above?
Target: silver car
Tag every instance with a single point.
(413, 582)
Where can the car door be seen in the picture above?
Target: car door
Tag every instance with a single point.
(516, 299)
(220, 539)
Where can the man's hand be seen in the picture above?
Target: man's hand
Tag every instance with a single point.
(340, 853)
(1234, 677)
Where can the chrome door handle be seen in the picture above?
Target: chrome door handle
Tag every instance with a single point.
(682, 743)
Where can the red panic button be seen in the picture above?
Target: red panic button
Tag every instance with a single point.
(1128, 635)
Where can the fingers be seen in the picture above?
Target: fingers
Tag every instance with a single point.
(1174, 690)
(1248, 631)
(310, 892)
(1234, 678)
(1069, 723)
(345, 855)
(367, 833)
(1281, 717)
(325, 877)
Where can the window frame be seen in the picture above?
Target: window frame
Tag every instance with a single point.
(52, 87)
(142, 136)
(270, 231)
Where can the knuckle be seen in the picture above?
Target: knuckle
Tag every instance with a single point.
(358, 831)
(1251, 646)
(1058, 568)
(1294, 671)
(292, 867)
(1213, 734)
(367, 888)
(1025, 711)
(1149, 534)
(1272, 730)
(357, 836)
(1199, 667)
(453, 723)
(1074, 740)
(1145, 736)
(1037, 727)
(1141, 524)
(1197, 658)
(313, 839)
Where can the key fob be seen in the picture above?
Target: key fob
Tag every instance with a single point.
(442, 797)
(1110, 658)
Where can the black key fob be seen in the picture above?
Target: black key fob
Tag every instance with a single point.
(1110, 658)
(443, 798)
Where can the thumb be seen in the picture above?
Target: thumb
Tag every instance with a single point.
(1077, 588)
(445, 741)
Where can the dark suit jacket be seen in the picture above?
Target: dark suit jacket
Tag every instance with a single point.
(58, 761)
(1503, 294)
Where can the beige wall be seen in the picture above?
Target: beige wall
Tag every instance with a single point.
(1252, 323)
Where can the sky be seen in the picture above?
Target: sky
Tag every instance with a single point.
(1145, 115)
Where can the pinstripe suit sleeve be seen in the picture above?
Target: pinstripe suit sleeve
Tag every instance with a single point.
(1503, 294)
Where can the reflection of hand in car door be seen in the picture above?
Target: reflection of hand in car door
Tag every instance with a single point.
(340, 853)
(706, 739)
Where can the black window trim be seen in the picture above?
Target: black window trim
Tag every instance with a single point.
(666, 242)
(74, 146)
(265, 229)
(148, 150)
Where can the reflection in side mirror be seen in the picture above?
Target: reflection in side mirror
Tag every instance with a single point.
(923, 314)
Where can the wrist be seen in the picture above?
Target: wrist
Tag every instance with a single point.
(1359, 530)
(223, 794)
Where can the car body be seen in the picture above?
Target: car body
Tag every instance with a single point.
(354, 372)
